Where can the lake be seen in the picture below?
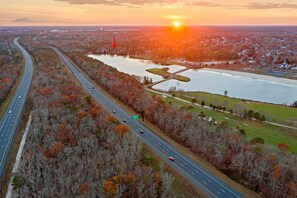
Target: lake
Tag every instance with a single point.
(236, 85)
(211, 81)
(134, 66)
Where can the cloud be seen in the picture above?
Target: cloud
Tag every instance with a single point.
(252, 6)
(122, 2)
(139, 3)
(271, 6)
(26, 20)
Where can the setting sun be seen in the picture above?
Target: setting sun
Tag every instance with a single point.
(177, 24)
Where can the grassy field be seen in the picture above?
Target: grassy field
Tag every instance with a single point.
(271, 134)
(274, 113)
(164, 73)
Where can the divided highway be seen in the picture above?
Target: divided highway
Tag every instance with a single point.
(9, 121)
(212, 186)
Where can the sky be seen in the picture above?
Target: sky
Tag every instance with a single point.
(147, 12)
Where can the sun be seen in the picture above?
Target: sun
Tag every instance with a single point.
(176, 24)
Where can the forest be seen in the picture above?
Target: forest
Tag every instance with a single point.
(75, 148)
(270, 171)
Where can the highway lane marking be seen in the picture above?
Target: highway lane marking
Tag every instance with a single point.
(222, 190)
(204, 182)
(193, 173)
(219, 193)
(208, 180)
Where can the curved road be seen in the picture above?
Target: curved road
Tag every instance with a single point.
(212, 186)
(9, 121)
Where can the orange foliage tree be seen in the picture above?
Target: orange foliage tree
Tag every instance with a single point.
(122, 129)
(110, 188)
(111, 185)
(111, 119)
(83, 188)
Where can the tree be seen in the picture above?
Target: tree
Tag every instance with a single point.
(257, 116)
(17, 182)
(225, 92)
(202, 114)
(83, 188)
(194, 100)
(294, 104)
(202, 103)
(263, 118)
(122, 129)
(250, 114)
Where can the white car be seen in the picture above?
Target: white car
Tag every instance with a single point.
(20, 97)
(85, 82)
(10, 112)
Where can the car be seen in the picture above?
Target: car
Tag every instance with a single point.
(90, 87)
(141, 131)
(171, 158)
(113, 111)
(10, 112)
(85, 82)
(124, 120)
(20, 97)
(93, 87)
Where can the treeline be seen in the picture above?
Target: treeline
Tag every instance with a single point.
(263, 168)
(10, 67)
(75, 148)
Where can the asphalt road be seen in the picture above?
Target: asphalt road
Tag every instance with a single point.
(9, 121)
(212, 186)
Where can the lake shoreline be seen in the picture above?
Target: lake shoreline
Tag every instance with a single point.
(253, 75)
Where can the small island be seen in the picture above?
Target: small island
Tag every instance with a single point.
(165, 74)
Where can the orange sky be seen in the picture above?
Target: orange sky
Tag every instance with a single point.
(133, 12)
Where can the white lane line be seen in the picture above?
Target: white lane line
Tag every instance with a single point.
(219, 193)
(222, 190)
(204, 182)
(208, 180)
(192, 173)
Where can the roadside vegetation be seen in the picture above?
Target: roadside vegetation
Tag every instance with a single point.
(75, 148)
(10, 70)
(268, 170)
(165, 74)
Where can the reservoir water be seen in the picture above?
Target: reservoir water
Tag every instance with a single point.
(133, 66)
(211, 81)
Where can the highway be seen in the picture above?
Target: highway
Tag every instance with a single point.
(10, 119)
(198, 176)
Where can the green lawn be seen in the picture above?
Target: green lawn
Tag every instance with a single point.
(275, 113)
(271, 134)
